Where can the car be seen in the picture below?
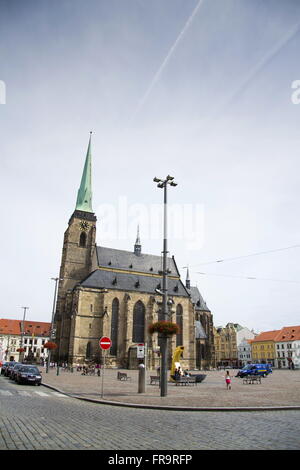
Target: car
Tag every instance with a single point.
(14, 370)
(4, 365)
(255, 369)
(8, 368)
(28, 374)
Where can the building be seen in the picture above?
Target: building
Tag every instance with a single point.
(225, 346)
(244, 352)
(263, 347)
(287, 348)
(109, 292)
(231, 345)
(243, 337)
(30, 335)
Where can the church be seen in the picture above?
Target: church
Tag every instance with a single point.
(110, 292)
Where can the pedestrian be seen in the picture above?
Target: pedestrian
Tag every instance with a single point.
(228, 380)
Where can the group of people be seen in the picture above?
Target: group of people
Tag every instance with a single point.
(89, 370)
(180, 373)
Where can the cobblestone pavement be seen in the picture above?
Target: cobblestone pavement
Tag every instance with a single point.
(279, 389)
(47, 422)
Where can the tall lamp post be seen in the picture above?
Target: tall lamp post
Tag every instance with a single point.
(163, 184)
(56, 279)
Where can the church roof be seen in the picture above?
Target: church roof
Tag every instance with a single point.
(197, 299)
(84, 195)
(128, 260)
(117, 280)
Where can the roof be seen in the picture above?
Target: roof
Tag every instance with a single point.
(112, 280)
(10, 327)
(200, 333)
(197, 299)
(14, 327)
(265, 336)
(129, 261)
(288, 333)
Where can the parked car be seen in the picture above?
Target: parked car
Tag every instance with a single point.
(14, 370)
(28, 374)
(255, 369)
(4, 365)
(8, 368)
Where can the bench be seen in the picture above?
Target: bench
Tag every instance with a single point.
(123, 376)
(186, 381)
(251, 379)
(154, 379)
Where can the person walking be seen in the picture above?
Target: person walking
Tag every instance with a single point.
(228, 380)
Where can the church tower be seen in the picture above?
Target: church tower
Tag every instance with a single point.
(78, 246)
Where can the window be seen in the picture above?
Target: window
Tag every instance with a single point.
(82, 240)
(114, 327)
(179, 321)
(138, 330)
(88, 353)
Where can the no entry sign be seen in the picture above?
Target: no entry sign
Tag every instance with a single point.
(105, 342)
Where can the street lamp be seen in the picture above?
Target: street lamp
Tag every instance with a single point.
(163, 183)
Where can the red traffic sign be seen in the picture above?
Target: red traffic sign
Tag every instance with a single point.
(105, 342)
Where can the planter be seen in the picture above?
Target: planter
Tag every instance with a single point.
(164, 328)
(50, 345)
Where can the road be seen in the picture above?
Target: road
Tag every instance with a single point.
(37, 418)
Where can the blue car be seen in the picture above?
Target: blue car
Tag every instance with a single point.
(255, 369)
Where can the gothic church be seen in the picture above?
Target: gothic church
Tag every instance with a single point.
(109, 292)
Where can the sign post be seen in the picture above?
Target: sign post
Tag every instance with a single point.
(105, 344)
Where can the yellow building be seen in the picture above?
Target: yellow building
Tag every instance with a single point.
(263, 347)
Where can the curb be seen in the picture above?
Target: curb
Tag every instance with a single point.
(174, 408)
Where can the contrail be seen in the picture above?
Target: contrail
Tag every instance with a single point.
(258, 67)
(166, 60)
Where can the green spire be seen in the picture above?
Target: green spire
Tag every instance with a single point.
(84, 195)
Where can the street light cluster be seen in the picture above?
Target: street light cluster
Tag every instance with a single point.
(169, 180)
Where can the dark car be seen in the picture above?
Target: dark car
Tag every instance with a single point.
(14, 370)
(28, 374)
(4, 365)
(9, 367)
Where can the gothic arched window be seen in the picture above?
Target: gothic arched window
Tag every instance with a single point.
(114, 327)
(88, 353)
(179, 321)
(82, 240)
(138, 330)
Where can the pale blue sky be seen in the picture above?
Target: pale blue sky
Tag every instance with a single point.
(218, 116)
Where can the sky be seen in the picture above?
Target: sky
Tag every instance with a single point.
(205, 91)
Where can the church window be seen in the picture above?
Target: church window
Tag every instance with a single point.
(88, 353)
(82, 240)
(114, 327)
(179, 321)
(138, 330)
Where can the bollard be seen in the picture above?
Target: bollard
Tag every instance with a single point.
(142, 378)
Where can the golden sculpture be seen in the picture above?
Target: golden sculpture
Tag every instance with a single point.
(176, 361)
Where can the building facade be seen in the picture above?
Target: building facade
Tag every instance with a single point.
(263, 348)
(29, 335)
(287, 348)
(231, 344)
(109, 292)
